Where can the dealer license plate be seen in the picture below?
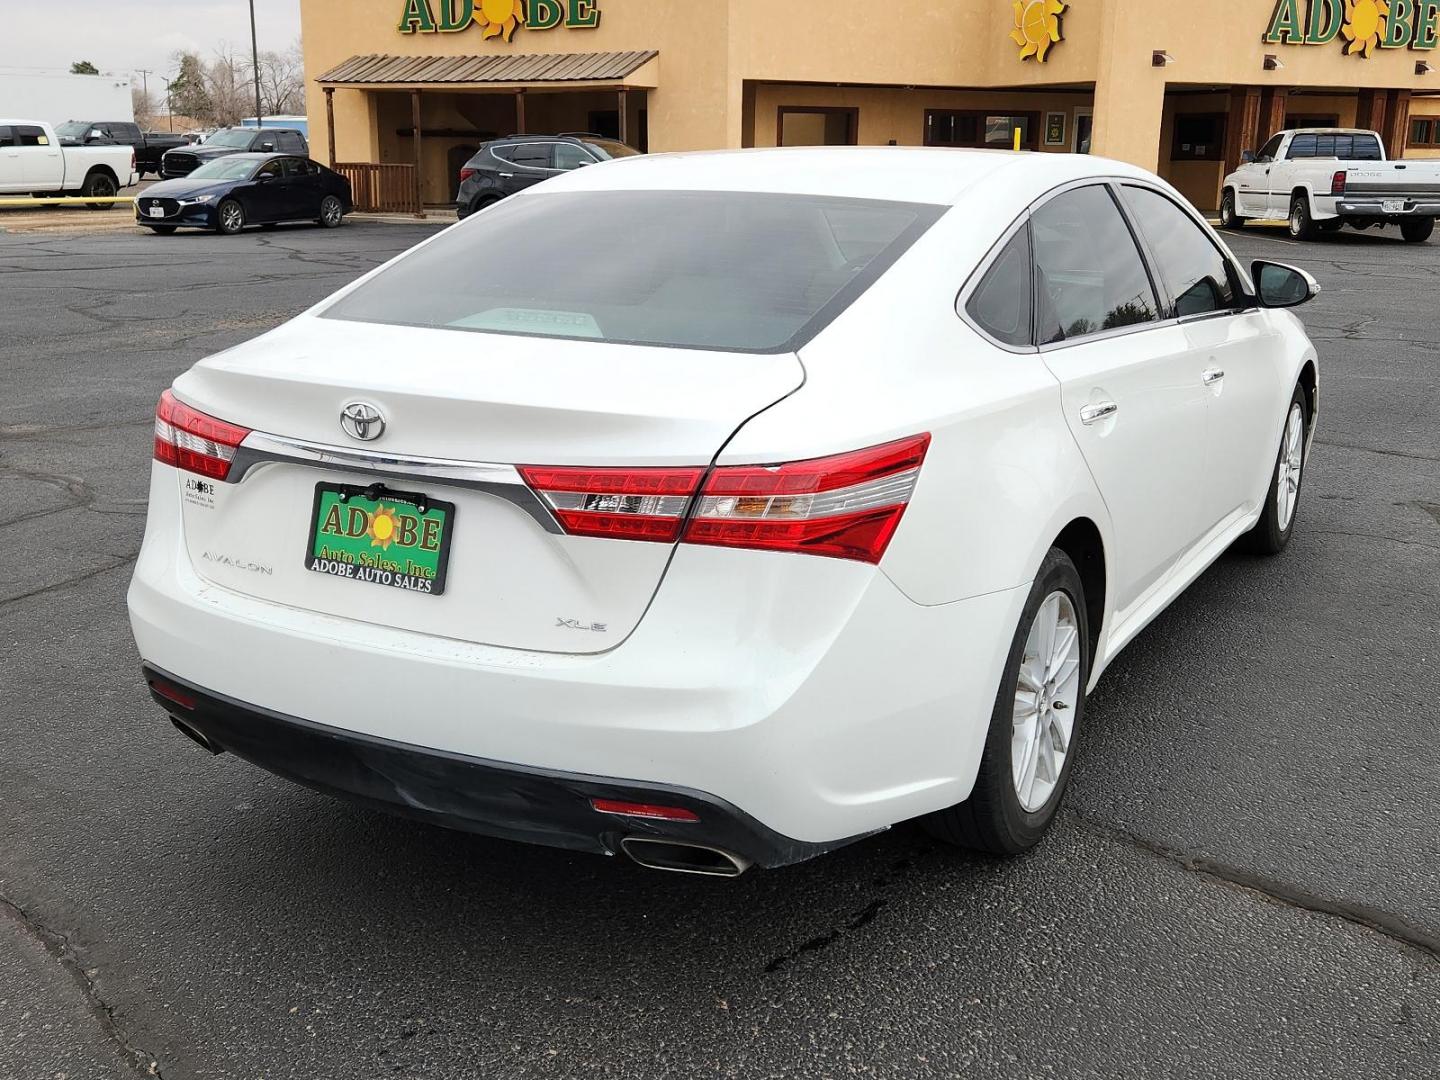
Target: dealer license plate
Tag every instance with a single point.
(157, 211)
(1393, 206)
(396, 539)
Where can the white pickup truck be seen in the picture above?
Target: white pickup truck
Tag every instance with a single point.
(1323, 178)
(32, 161)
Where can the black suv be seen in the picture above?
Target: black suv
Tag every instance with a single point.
(504, 166)
(235, 140)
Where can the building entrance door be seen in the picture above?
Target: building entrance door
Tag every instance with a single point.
(1084, 123)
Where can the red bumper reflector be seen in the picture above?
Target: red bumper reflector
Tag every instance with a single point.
(173, 693)
(645, 810)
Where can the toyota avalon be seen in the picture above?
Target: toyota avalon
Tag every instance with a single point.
(722, 509)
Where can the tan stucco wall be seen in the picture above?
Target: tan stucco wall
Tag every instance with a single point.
(712, 50)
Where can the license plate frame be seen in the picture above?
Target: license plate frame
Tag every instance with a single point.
(378, 567)
(156, 211)
(1393, 206)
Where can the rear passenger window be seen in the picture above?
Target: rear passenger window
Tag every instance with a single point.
(1197, 275)
(7, 136)
(1088, 273)
(31, 136)
(290, 142)
(1301, 146)
(1000, 304)
(532, 156)
(1366, 148)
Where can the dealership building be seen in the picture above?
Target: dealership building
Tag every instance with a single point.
(400, 92)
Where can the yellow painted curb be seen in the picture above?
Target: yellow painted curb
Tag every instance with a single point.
(66, 200)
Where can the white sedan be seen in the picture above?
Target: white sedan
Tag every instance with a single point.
(721, 509)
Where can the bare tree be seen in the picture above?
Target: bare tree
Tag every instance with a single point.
(146, 110)
(282, 81)
(227, 80)
(189, 90)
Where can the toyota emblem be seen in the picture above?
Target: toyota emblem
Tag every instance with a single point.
(363, 421)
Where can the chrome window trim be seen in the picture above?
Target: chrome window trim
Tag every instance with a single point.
(502, 481)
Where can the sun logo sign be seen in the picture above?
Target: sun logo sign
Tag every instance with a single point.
(1037, 27)
(1363, 25)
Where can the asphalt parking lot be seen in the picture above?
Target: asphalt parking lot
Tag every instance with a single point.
(1245, 881)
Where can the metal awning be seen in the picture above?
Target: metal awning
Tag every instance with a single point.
(378, 69)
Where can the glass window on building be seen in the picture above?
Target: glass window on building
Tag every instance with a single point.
(1198, 137)
(1089, 277)
(974, 128)
(803, 126)
(1424, 131)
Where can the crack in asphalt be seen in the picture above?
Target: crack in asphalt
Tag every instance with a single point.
(59, 947)
(1376, 450)
(1389, 925)
(856, 920)
(119, 563)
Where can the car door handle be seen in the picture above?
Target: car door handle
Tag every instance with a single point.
(1092, 414)
(507, 176)
(1212, 376)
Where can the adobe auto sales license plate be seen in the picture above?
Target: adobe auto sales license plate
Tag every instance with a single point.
(398, 539)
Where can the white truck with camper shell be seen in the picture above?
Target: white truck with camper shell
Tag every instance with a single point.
(32, 162)
(1320, 179)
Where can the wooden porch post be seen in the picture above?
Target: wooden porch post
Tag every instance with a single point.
(1240, 133)
(1396, 131)
(330, 121)
(624, 118)
(520, 112)
(1273, 103)
(419, 176)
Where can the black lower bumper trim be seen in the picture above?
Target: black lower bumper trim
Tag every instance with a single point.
(513, 802)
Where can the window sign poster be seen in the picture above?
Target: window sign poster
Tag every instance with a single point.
(1055, 129)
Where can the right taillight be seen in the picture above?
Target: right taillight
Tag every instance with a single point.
(1337, 182)
(189, 439)
(847, 506)
(466, 173)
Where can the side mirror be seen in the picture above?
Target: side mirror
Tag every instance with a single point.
(1278, 285)
(267, 147)
(264, 178)
(1247, 157)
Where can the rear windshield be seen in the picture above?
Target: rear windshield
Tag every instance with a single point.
(737, 271)
(232, 137)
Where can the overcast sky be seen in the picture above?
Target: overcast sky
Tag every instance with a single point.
(123, 36)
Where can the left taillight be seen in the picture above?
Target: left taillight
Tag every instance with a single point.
(189, 439)
(1337, 182)
(846, 506)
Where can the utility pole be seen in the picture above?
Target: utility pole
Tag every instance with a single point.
(255, 66)
(144, 74)
(169, 103)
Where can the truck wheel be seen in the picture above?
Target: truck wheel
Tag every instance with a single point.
(1229, 219)
(1417, 231)
(1302, 225)
(99, 185)
(229, 217)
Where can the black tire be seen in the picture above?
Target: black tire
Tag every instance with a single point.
(1417, 231)
(332, 212)
(1302, 225)
(100, 185)
(1269, 535)
(482, 202)
(229, 217)
(162, 230)
(1229, 219)
(992, 819)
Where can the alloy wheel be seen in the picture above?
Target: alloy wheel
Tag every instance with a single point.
(330, 210)
(1047, 694)
(231, 217)
(1292, 459)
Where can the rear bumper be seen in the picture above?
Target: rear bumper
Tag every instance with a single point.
(1368, 207)
(513, 802)
(809, 693)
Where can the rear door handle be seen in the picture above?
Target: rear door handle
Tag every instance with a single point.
(1212, 376)
(507, 176)
(1092, 414)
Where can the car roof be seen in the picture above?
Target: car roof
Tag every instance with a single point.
(891, 173)
(260, 155)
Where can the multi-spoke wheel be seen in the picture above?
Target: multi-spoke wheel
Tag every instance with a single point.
(1030, 745)
(230, 217)
(1277, 519)
(332, 212)
(1045, 695)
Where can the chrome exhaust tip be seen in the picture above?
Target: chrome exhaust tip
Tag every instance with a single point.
(196, 736)
(683, 857)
